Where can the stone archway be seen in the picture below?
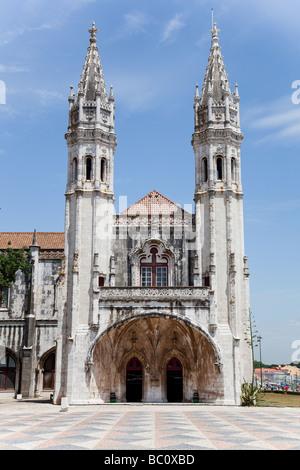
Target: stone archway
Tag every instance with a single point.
(154, 341)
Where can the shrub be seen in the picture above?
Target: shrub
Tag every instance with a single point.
(249, 394)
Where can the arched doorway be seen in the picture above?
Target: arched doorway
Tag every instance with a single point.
(134, 380)
(49, 372)
(174, 380)
(7, 372)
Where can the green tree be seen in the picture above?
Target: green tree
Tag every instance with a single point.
(12, 261)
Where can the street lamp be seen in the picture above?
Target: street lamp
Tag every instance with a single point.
(259, 338)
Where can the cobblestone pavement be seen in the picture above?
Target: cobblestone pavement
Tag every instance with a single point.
(31, 425)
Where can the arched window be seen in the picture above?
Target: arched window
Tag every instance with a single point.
(154, 273)
(219, 168)
(74, 170)
(7, 372)
(103, 170)
(4, 297)
(204, 170)
(89, 169)
(233, 170)
(49, 372)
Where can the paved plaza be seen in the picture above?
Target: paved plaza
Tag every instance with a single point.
(32, 425)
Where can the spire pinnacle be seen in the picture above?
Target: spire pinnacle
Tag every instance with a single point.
(215, 81)
(215, 38)
(93, 31)
(111, 95)
(92, 80)
(214, 31)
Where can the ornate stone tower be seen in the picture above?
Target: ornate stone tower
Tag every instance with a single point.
(89, 213)
(217, 142)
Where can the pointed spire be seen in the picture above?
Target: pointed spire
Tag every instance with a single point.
(72, 96)
(216, 80)
(92, 80)
(34, 239)
(236, 93)
(111, 95)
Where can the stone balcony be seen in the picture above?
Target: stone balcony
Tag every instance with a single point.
(194, 304)
(155, 294)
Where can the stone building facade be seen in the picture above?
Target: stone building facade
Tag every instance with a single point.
(151, 304)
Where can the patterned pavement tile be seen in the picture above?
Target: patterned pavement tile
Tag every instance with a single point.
(150, 427)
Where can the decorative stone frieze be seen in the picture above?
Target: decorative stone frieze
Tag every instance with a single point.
(161, 294)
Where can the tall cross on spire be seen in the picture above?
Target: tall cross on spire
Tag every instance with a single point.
(93, 31)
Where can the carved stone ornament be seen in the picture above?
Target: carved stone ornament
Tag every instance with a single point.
(165, 294)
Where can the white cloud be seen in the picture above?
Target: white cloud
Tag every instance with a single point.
(7, 37)
(135, 22)
(12, 69)
(266, 213)
(29, 16)
(47, 97)
(7, 111)
(136, 91)
(172, 27)
(280, 121)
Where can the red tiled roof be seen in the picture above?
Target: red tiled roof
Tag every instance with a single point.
(154, 203)
(45, 240)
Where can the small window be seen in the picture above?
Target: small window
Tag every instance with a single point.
(89, 172)
(101, 281)
(161, 276)
(205, 281)
(219, 168)
(233, 170)
(103, 170)
(3, 297)
(74, 170)
(146, 276)
(204, 170)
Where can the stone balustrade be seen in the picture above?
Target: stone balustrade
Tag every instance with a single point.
(159, 294)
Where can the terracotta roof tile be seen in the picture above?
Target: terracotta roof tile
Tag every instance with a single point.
(45, 240)
(154, 203)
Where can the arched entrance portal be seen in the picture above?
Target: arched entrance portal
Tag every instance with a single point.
(134, 380)
(143, 368)
(174, 380)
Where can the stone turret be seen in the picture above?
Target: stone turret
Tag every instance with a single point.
(89, 212)
(217, 140)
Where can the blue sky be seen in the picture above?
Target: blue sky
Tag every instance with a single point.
(154, 52)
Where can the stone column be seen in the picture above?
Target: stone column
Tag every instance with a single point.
(28, 352)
